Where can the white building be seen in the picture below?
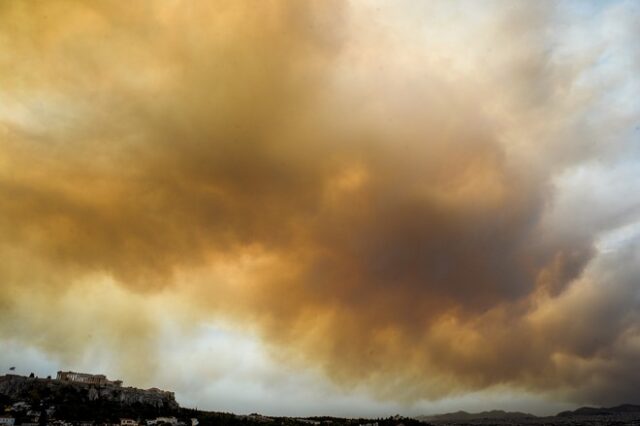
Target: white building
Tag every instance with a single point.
(7, 421)
(91, 379)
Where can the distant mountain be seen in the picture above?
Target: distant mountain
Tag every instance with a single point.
(592, 411)
(490, 415)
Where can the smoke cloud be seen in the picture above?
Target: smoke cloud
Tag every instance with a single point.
(382, 192)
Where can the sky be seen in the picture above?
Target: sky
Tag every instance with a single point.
(328, 207)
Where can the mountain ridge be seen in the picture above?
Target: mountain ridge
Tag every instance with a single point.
(584, 411)
(464, 415)
(601, 411)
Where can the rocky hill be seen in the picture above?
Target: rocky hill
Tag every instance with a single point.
(29, 388)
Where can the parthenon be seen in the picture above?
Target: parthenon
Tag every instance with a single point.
(92, 379)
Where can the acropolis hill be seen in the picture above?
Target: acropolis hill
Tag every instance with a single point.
(87, 387)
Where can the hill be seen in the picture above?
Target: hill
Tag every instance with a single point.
(484, 415)
(77, 401)
(611, 411)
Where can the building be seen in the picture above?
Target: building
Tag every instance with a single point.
(166, 420)
(7, 421)
(90, 379)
